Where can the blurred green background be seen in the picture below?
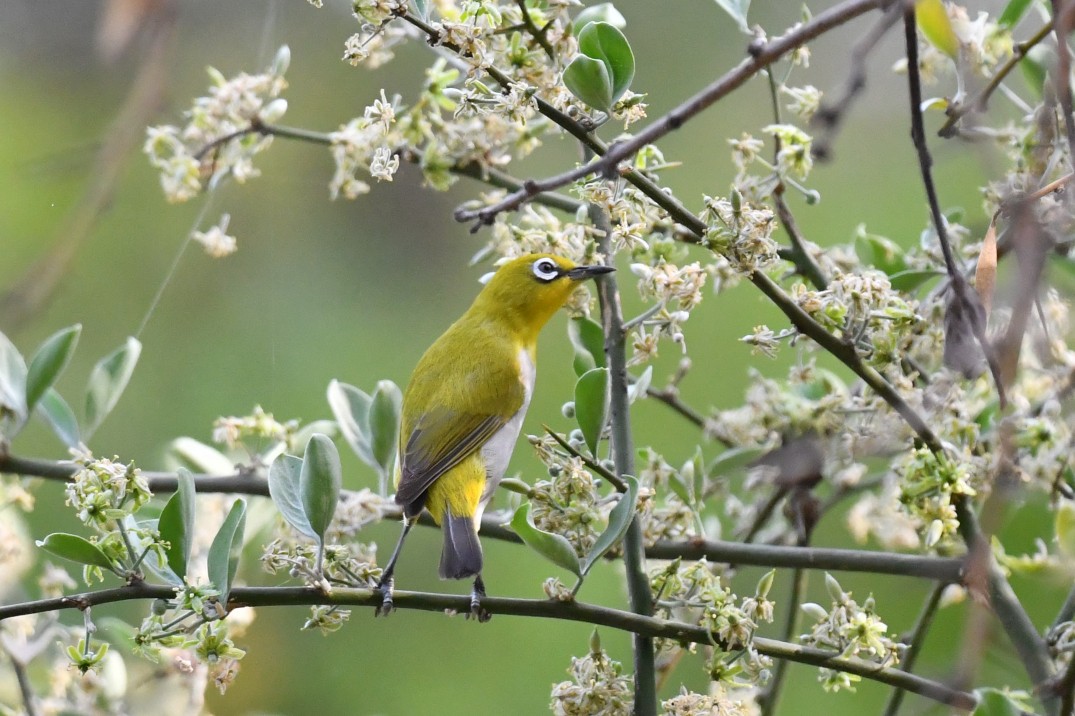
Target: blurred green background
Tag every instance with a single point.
(356, 290)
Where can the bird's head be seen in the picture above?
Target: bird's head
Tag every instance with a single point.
(528, 290)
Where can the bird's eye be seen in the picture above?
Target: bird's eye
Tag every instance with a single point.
(546, 270)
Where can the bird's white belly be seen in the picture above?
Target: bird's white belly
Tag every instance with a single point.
(496, 453)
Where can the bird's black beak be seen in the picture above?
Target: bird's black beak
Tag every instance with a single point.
(581, 273)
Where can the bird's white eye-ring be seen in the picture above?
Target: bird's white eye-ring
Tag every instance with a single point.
(546, 270)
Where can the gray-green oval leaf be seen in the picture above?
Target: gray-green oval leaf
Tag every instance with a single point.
(12, 382)
(176, 524)
(284, 490)
(737, 10)
(619, 519)
(196, 455)
(351, 408)
(223, 559)
(603, 41)
(49, 361)
(588, 339)
(552, 547)
(76, 549)
(107, 382)
(55, 411)
(385, 411)
(591, 405)
(588, 79)
(602, 12)
(319, 483)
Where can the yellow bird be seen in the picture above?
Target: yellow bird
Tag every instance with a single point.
(465, 404)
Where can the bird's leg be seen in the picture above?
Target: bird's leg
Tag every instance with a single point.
(387, 580)
(476, 594)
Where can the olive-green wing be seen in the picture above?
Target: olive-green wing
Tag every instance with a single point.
(439, 441)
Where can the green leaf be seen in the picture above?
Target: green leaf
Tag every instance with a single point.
(1065, 528)
(602, 12)
(734, 459)
(176, 524)
(619, 519)
(108, 380)
(351, 408)
(12, 382)
(49, 361)
(589, 341)
(223, 559)
(198, 456)
(385, 412)
(284, 490)
(994, 702)
(76, 549)
(588, 79)
(881, 253)
(591, 405)
(422, 8)
(1013, 13)
(910, 280)
(319, 483)
(552, 547)
(302, 436)
(55, 411)
(737, 9)
(933, 20)
(603, 41)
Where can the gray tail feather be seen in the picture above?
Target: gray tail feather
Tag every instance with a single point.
(462, 553)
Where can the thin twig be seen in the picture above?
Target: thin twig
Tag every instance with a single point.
(961, 290)
(31, 291)
(769, 698)
(831, 115)
(1024, 636)
(651, 627)
(760, 58)
(979, 101)
(537, 34)
(1062, 17)
(26, 689)
(804, 262)
(588, 461)
(918, 637)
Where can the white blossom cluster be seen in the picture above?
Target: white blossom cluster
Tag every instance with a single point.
(597, 686)
(693, 593)
(218, 140)
(721, 701)
(852, 630)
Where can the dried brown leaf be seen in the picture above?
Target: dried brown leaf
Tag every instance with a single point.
(985, 275)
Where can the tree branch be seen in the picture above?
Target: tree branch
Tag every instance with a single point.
(970, 307)
(623, 455)
(760, 58)
(493, 527)
(651, 627)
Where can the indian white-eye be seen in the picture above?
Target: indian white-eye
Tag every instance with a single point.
(464, 406)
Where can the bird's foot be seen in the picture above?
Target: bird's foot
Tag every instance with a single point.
(387, 605)
(476, 610)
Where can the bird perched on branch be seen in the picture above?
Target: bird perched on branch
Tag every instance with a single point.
(465, 404)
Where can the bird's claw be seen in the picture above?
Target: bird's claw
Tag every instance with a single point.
(478, 612)
(387, 605)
